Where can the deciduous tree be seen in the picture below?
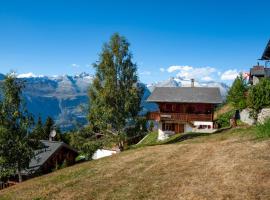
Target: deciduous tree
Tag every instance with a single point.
(115, 93)
(15, 146)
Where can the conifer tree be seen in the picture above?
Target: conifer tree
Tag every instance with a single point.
(48, 127)
(115, 94)
(38, 131)
(237, 93)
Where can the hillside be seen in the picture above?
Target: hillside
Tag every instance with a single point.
(227, 165)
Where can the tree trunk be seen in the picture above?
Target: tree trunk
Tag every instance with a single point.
(121, 145)
(19, 173)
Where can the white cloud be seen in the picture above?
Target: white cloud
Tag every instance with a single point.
(229, 75)
(75, 65)
(145, 73)
(207, 78)
(29, 75)
(162, 69)
(176, 68)
(198, 73)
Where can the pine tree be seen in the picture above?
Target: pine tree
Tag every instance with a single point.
(115, 94)
(15, 145)
(237, 93)
(48, 127)
(38, 132)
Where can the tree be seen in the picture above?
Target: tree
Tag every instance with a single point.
(115, 93)
(259, 96)
(48, 127)
(237, 93)
(38, 131)
(151, 126)
(15, 145)
(87, 142)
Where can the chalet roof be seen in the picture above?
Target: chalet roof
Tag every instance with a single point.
(266, 53)
(186, 95)
(43, 154)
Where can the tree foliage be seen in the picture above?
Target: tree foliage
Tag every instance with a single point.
(48, 127)
(115, 94)
(237, 93)
(87, 142)
(38, 131)
(223, 120)
(259, 95)
(15, 146)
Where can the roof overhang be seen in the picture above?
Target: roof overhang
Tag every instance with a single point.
(266, 53)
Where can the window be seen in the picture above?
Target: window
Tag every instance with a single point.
(168, 127)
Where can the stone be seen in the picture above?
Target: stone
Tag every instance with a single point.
(246, 118)
(263, 115)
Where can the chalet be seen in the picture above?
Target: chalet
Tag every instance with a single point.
(260, 71)
(184, 109)
(49, 157)
(266, 53)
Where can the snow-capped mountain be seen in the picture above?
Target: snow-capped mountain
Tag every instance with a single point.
(180, 82)
(65, 97)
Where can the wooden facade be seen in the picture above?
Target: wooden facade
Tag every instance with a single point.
(183, 112)
(184, 109)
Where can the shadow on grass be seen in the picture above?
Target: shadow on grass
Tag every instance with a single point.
(188, 136)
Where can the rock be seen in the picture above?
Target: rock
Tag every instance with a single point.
(263, 115)
(246, 118)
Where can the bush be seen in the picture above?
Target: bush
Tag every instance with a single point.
(224, 119)
(86, 142)
(259, 96)
(263, 130)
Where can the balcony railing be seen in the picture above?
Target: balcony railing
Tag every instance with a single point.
(185, 117)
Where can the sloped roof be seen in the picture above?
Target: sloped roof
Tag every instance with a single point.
(186, 95)
(43, 154)
(266, 53)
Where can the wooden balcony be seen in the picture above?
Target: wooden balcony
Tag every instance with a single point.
(184, 117)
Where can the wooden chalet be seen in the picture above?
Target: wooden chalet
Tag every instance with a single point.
(184, 109)
(261, 71)
(50, 157)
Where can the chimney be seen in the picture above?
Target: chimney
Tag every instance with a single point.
(192, 82)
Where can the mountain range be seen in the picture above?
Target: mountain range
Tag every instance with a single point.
(65, 98)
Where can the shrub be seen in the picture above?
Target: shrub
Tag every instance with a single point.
(224, 119)
(263, 130)
(259, 96)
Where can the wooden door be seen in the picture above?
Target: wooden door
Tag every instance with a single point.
(179, 128)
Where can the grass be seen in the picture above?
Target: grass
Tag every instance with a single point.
(223, 109)
(149, 139)
(228, 165)
(263, 130)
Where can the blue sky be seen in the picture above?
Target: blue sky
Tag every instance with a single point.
(205, 40)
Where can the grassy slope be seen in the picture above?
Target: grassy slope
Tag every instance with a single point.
(225, 108)
(229, 165)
